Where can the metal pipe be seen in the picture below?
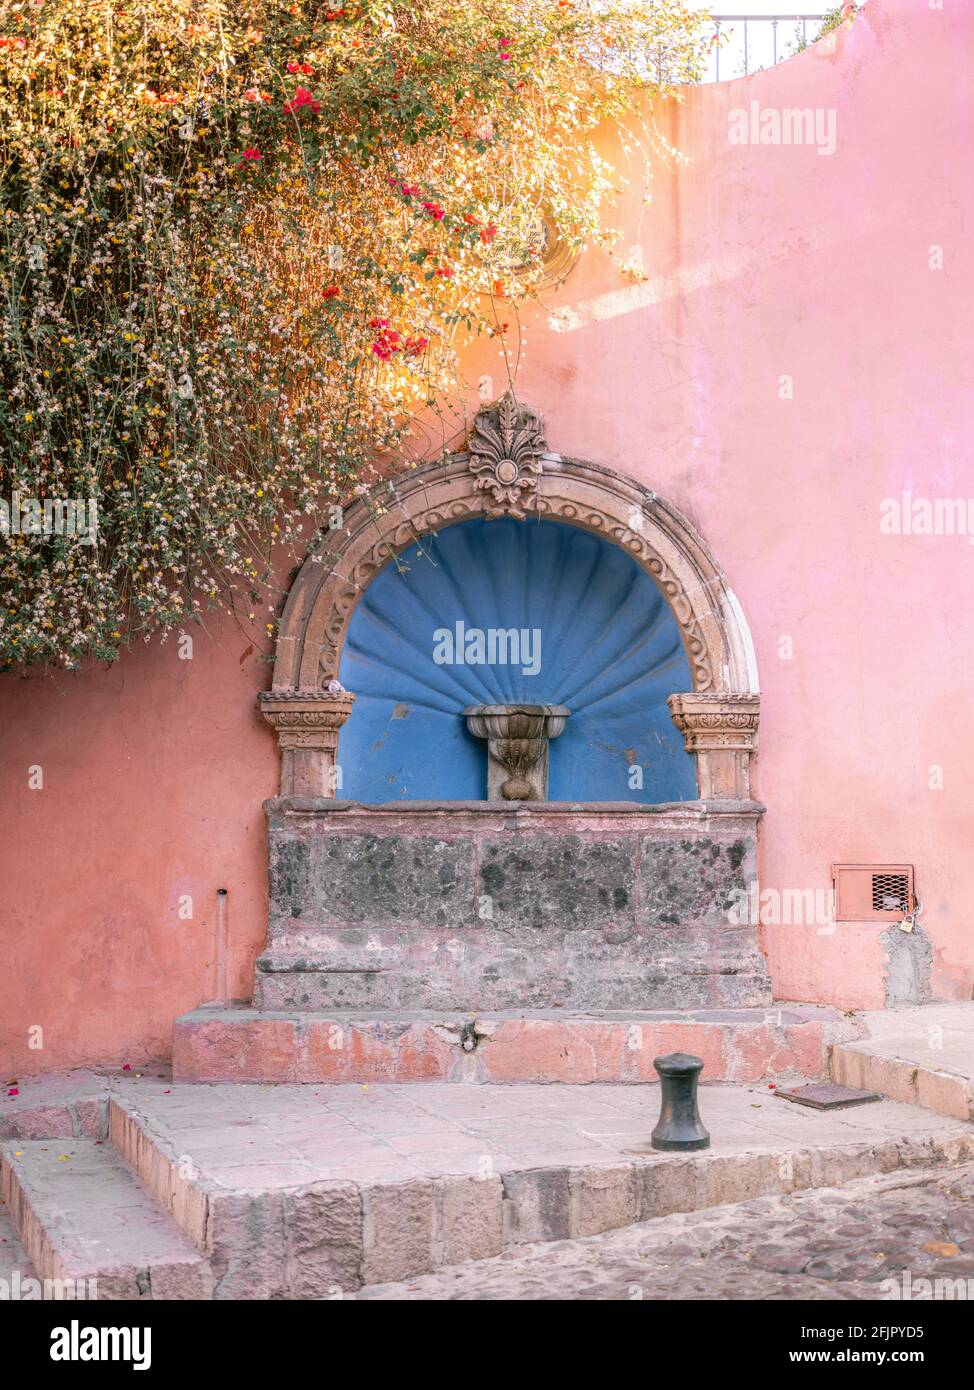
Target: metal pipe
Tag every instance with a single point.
(220, 952)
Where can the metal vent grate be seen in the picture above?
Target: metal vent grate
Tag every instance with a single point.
(873, 892)
(891, 893)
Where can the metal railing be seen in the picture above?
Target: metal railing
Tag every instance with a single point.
(775, 47)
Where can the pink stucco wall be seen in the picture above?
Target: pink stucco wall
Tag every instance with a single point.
(762, 262)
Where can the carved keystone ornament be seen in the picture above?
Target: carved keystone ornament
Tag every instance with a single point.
(505, 456)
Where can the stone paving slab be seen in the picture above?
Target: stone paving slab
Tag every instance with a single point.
(282, 1136)
(939, 1035)
(896, 1237)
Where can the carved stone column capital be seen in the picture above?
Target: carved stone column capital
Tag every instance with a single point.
(721, 730)
(307, 723)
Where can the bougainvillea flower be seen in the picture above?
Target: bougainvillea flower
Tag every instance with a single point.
(302, 97)
(387, 340)
(332, 292)
(251, 153)
(435, 211)
(488, 233)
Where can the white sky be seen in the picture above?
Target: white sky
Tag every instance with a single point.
(768, 7)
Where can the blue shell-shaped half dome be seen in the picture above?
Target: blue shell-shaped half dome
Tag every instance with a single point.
(592, 632)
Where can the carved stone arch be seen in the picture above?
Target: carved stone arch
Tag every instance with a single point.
(507, 470)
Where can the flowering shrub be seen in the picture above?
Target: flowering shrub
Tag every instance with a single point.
(239, 246)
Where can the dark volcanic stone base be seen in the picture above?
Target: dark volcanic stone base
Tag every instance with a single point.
(473, 906)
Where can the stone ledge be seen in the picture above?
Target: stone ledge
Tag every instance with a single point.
(523, 1047)
(677, 813)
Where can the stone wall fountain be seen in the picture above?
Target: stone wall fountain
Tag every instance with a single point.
(517, 747)
(571, 908)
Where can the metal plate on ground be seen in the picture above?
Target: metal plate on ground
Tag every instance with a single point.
(826, 1095)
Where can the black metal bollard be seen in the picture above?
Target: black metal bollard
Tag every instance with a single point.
(678, 1126)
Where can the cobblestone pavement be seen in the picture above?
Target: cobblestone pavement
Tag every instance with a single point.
(830, 1243)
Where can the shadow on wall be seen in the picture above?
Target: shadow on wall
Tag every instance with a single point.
(495, 612)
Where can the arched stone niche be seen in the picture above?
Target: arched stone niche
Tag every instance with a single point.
(507, 470)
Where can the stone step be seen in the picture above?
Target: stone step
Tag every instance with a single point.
(923, 1056)
(300, 1192)
(737, 1045)
(81, 1215)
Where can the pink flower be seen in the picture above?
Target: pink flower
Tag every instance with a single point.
(387, 340)
(435, 211)
(302, 97)
(446, 271)
(488, 233)
(251, 153)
